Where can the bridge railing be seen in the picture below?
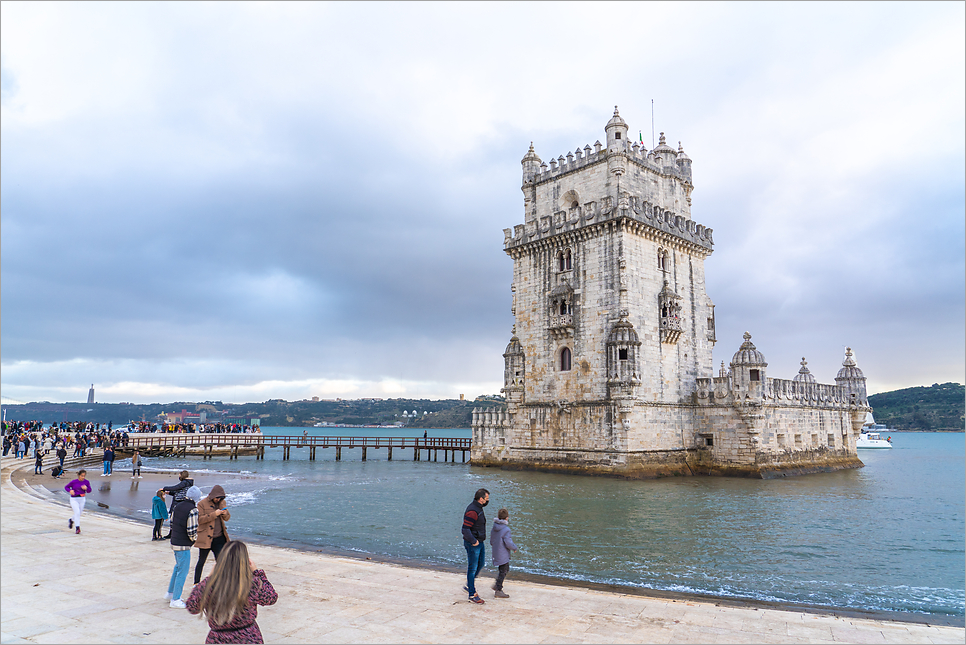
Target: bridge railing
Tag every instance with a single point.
(190, 440)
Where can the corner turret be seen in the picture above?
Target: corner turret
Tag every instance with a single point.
(531, 165)
(748, 370)
(851, 378)
(616, 130)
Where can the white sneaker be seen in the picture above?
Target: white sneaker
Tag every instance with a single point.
(168, 596)
(177, 604)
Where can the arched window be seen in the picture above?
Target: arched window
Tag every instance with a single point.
(569, 260)
(563, 308)
(565, 359)
(561, 261)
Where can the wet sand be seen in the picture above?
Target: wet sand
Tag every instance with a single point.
(106, 585)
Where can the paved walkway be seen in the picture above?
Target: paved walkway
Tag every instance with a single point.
(106, 586)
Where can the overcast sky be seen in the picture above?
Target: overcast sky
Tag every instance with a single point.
(240, 202)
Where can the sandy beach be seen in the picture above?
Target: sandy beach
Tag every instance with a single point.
(106, 585)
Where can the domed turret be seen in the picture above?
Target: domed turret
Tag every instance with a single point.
(748, 367)
(748, 354)
(804, 376)
(849, 369)
(616, 130)
(683, 161)
(531, 165)
(852, 379)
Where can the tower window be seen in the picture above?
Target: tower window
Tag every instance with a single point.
(565, 357)
(622, 354)
(753, 375)
(617, 135)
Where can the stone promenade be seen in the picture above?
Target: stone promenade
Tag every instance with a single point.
(106, 586)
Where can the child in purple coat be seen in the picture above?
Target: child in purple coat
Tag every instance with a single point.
(501, 544)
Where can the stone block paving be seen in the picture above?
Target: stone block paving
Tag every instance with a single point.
(106, 586)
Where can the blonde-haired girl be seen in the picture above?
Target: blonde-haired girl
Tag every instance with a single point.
(230, 596)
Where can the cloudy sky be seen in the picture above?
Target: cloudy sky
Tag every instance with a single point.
(248, 201)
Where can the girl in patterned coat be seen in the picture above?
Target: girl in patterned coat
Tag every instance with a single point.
(230, 596)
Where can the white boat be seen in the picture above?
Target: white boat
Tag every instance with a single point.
(871, 435)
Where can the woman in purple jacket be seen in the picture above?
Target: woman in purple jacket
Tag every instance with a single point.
(77, 489)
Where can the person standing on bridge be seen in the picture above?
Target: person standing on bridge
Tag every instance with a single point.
(474, 533)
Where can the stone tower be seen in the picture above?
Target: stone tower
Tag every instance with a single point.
(90, 394)
(612, 347)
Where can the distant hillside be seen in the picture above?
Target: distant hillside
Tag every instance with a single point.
(938, 408)
(421, 413)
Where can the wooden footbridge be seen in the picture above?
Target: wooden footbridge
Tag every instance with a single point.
(208, 444)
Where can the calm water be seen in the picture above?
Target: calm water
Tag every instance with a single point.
(886, 537)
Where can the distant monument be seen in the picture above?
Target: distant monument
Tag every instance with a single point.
(90, 394)
(609, 368)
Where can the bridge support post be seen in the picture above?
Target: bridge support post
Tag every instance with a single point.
(260, 453)
(285, 452)
(436, 455)
(464, 457)
(338, 453)
(234, 453)
(415, 453)
(390, 453)
(312, 453)
(363, 453)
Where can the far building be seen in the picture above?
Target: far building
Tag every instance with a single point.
(609, 368)
(90, 394)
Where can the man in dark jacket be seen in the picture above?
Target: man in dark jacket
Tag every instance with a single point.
(474, 533)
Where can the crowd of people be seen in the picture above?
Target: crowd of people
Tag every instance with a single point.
(32, 439)
(230, 595)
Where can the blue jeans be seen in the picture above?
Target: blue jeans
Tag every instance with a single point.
(182, 563)
(475, 557)
(108, 468)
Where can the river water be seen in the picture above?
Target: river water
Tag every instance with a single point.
(888, 537)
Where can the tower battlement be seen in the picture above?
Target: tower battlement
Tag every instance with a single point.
(663, 159)
(637, 210)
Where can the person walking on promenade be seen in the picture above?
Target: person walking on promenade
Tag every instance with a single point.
(78, 488)
(136, 465)
(21, 448)
(6, 445)
(184, 532)
(230, 596)
(474, 533)
(39, 460)
(212, 533)
(108, 461)
(501, 544)
(62, 454)
(159, 513)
